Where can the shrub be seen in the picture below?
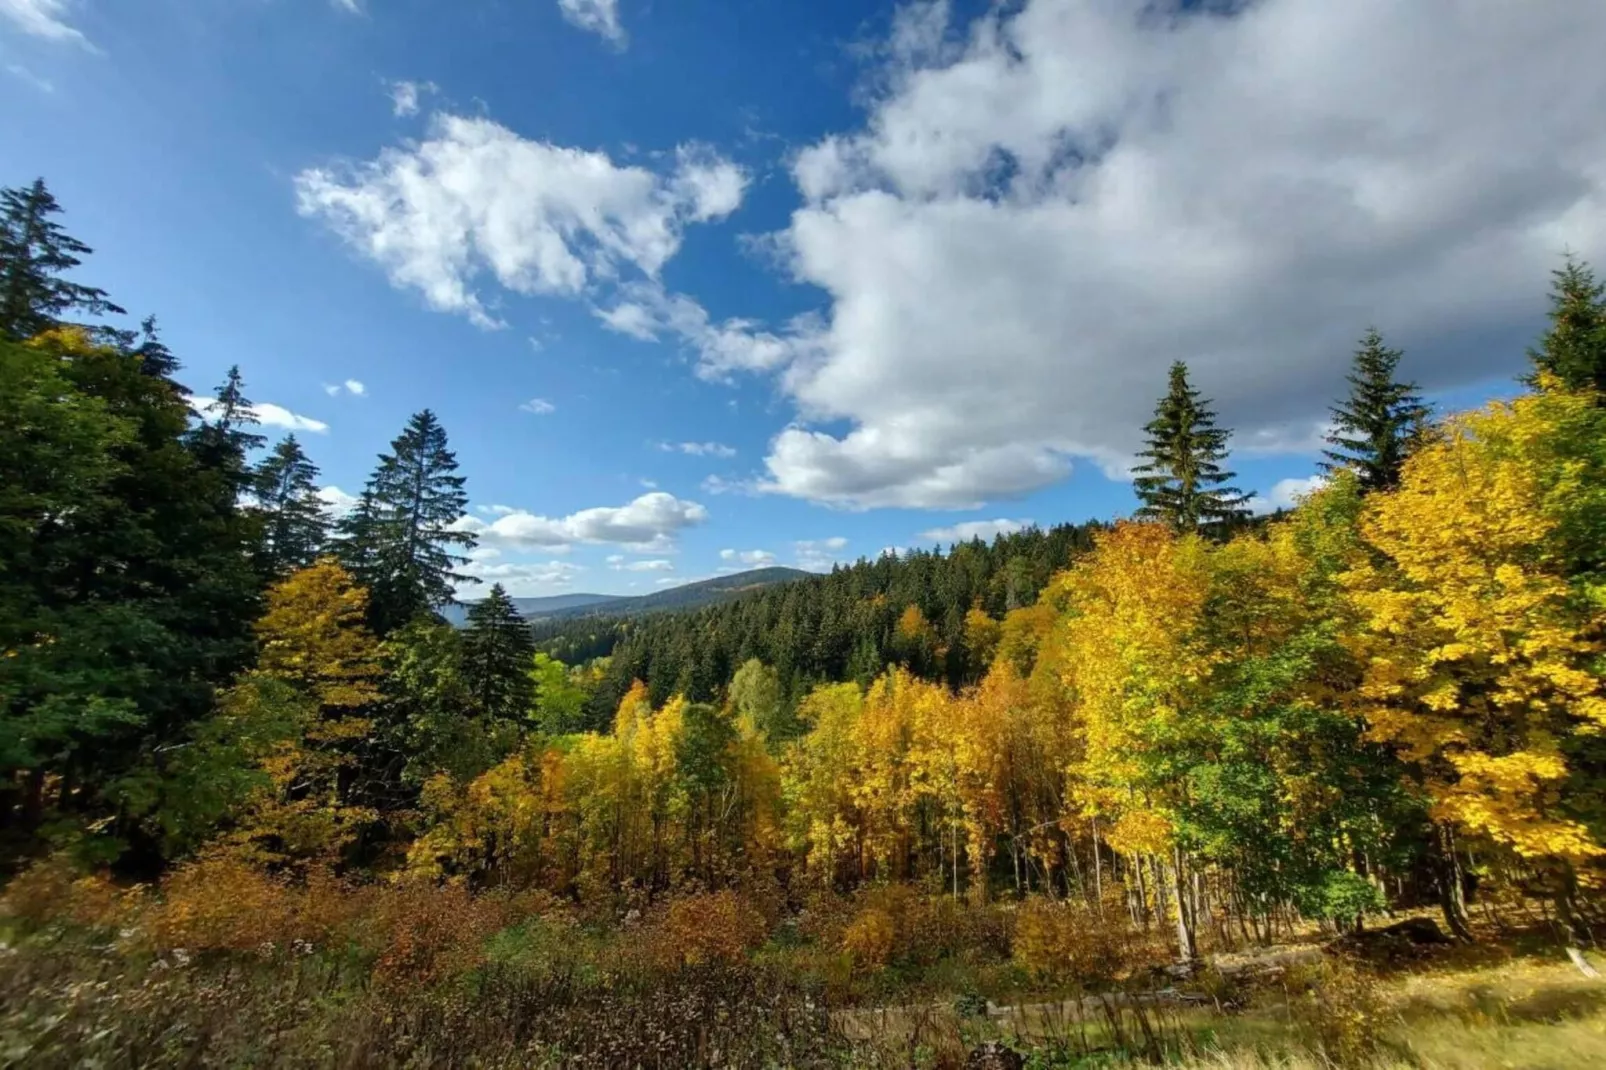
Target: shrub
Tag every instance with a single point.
(870, 938)
(717, 927)
(1067, 942)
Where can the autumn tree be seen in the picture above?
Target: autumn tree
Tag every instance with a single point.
(558, 699)
(1181, 480)
(1573, 350)
(35, 252)
(1373, 428)
(496, 657)
(295, 528)
(1480, 651)
(318, 674)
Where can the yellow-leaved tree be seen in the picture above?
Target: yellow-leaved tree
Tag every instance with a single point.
(316, 675)
(1479, 646)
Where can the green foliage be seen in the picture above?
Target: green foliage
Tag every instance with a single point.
(401, 541)
(496, 657)
(1182, 481)
(1573, 350)
(34, 253)
(1373, 429)
(558, 699)
(295, 529)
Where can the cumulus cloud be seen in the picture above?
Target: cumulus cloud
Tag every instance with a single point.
(336, 501)
(985, 530)
(474, 199)
(1286, 493)
(600, 17)
(266, 413)
(1046, 206)
(524, 578)
(647, 524)
(753, 558)
(699, 449)
(353, 387)
(404, 97)
(538, 406)
(43, 18)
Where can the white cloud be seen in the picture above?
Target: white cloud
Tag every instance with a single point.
(986, 530)
(1048, 205)
(539, 406)
(523, 578)
(337, 501)
(348, 5)
(818, 555)
(600, 17)
(42, 18)
(646, 311)
(353, 387)
(648, 524)
(650, 484)
(267, 414)
(404, 97)
(653, 565)
(1286, 493)
(698, 449)
(476, 199)
(754, 558)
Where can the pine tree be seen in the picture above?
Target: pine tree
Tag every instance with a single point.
(224, 440)
(1574, 349)
(401, 540)
(1182, 482)
(294, 528)
(497, 653)
(34, 253)
(1374, 429)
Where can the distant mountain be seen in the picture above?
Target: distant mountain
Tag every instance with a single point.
(687, 596)
(539, 608)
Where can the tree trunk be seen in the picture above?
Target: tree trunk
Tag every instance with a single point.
(1186, 948)
(1452, 894)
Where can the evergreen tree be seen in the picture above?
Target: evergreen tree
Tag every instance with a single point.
(402, 540)
(224, 440)
(1374, 429)
(294, 528)
(34, 253)
(1183, 482)
(1574, 349)
(497, 653)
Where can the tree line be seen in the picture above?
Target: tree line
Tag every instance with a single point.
(1390, 695)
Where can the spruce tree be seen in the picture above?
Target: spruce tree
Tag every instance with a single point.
(34, 253)
(224, 440)
(1375, 427)
(294, 527)
(401, 540)
(1182, 481)
(497, 654)
(1574, 348)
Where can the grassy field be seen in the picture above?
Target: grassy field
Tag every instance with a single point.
(68, 998)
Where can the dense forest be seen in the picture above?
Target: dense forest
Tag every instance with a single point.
(222, 709)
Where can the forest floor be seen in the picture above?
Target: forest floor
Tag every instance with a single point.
(1513, 1006)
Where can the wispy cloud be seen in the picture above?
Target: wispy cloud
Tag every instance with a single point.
(600, 17)
(538, 406)
(43, 18)
(699, 449)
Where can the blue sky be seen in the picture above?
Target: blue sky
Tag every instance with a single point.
(698, 286)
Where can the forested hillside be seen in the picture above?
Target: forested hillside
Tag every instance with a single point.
(235, 727)
(911, 609)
